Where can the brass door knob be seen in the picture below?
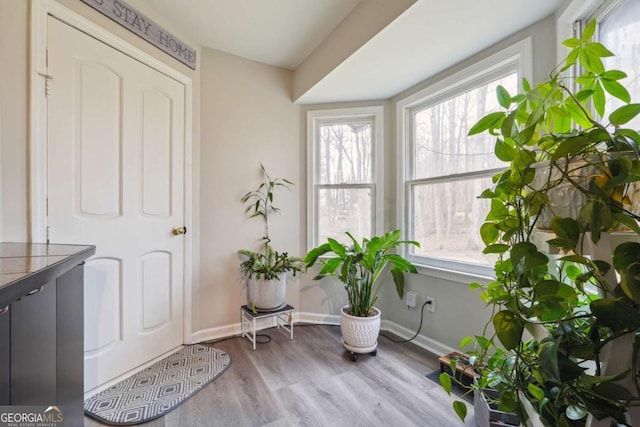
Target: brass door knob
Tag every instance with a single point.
(179, 230)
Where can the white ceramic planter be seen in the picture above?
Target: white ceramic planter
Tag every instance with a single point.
(267, 294)
(360, 334)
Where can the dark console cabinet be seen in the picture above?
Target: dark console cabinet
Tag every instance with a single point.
(70, 344)
(33, 347)
(5, 352)
(41, 330)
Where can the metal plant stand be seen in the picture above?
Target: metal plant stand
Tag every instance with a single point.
(283, 317)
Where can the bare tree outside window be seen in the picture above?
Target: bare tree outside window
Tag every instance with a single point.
(345, 179)
(450, 171)
(620, 32)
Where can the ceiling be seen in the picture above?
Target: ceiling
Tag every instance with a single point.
(427, 38)
(276, 32)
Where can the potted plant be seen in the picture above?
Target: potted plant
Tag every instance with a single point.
(265, 272)
(558, 305)
(360, 266)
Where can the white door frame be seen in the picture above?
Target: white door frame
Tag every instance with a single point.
(40, 9)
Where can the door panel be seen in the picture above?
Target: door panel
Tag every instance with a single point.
(102, 327)
(99, 104)
(156, 290)
(156, 153)
(116, 180)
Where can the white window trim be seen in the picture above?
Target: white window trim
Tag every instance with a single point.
(519, 53)
(314, 119)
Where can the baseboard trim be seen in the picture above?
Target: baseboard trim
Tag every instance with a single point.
(429, 344)
(320, 319)
(212, 334)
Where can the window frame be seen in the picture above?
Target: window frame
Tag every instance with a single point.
(316, 118)
(517, 56)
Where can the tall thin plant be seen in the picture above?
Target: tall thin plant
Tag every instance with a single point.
(259, 202)
(269, 263)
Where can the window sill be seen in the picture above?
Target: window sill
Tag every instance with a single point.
(453, 275)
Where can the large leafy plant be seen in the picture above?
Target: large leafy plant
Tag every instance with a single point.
(360, 265)
(268, 264)
(548, 329)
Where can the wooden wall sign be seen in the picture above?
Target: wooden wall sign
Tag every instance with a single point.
(137, 23)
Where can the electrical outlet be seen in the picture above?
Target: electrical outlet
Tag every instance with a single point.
(410, 298)
(431, 304)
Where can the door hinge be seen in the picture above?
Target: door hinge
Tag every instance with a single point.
(48, 82)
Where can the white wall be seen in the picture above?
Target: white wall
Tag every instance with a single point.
(247, 119)
(460, 312)
(14, 24)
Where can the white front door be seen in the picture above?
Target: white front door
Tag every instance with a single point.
(115, 179)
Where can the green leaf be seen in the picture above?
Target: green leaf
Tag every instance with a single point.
(572, 42)
(571, 58)
(473, 286)
(504, 99)
(598, 99)
(613, 75)
(627, 221)
(630, 281)
(489, 233)
(588, 31)
(525, 256)
(504, 151)
(337, 248)
(315, 253)
(445, 381)
(624, 114)
(509, 328)
(398, 279)
(598, 49)
(616, 89)
(508, 129)
(566, 228)
(548, 354)
(625, 254)
(526, 135)
(495, 249)
(613, 391)
(535, 391)
(461, 409)
(590, 61)
(329, 266)
(484, 343)
(465, 341)
(490, 121)
(617, 314)
(577, 113)
(570, 146)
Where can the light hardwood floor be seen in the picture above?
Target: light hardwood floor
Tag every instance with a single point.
(310, 381)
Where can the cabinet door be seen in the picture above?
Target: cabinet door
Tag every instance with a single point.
(33, 348)
(70, 336)
(4, 356)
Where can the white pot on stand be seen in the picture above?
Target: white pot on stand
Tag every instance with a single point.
(360, 334)
(267, 295)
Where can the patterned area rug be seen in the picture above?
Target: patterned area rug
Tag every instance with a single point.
(158, 389)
